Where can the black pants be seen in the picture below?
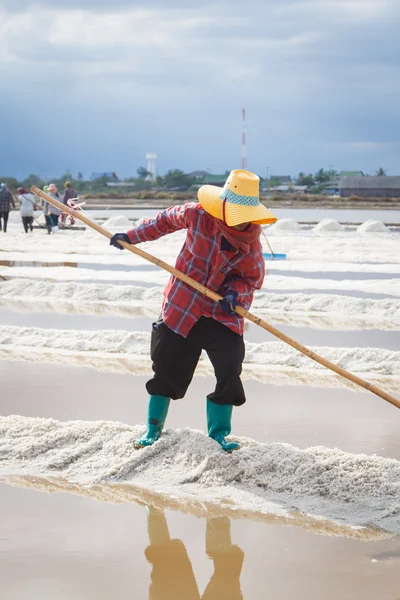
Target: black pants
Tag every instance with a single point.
(4, 217)
(175, 359)
(27, 223)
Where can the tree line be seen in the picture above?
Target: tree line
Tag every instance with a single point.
(174, 179)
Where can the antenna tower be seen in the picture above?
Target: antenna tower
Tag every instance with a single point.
(244, 149)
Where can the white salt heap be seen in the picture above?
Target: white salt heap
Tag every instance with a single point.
(117, 221)
(130, 300)
(372, 226)
(124, 351)
(358, 490)
(328, 225)
(284, 225)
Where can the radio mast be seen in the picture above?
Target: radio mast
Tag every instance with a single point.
(244, 149)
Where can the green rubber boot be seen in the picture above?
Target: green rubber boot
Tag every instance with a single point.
(219, 424)
(157, 413)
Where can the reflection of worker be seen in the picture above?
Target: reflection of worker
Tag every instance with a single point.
(228, 561)
(172, 576)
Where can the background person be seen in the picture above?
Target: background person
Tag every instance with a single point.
(6, 200)
(27, 207)
(69, 194)
(52, 211)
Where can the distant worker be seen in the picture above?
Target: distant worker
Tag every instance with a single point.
(5, 200)
(51, 211)
(46, 214)
(69, 194)
(27, 207)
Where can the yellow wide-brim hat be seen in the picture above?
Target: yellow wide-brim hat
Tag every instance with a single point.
(237, 202)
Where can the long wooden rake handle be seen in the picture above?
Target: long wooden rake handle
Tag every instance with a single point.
(216, 297)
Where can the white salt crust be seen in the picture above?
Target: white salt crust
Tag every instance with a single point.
(354, 490)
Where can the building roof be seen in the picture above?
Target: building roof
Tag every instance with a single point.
(351, 174)
(199, 174)
(371, 182)
(288, 188)
(214, 179)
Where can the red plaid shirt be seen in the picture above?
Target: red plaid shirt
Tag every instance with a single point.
(202, 259)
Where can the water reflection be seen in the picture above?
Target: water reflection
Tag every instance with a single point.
(172, 576)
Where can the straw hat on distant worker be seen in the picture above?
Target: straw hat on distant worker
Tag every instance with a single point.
(237, 202)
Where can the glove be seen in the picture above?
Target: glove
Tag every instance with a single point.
(229, 302)
(119, 236)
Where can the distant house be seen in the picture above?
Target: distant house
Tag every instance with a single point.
(211, 179)
(120, 184)
(385, 186)
(198, 174)
(109, 174)
(296, 189)
(332, 186)
(208, 179)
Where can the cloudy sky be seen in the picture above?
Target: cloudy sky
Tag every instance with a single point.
(92, 85)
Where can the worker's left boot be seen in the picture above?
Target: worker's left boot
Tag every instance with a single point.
(219, 424)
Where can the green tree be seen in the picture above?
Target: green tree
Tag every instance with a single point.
(273, 182)
(303, 179)
(321, 176)
(380, 172)
(32, 179)
(177, 179)
(11, 183)
(143, 173)
(79, 176)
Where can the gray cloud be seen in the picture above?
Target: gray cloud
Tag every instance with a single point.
(103, 86)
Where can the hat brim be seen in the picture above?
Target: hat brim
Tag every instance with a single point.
(235, 214)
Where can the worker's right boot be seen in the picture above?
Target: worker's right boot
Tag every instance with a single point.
(157, 413)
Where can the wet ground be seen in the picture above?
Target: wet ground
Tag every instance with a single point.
(58, 546)
(63, 546)
(253, 333)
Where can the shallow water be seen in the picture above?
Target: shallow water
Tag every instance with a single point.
(59, 546)
(253, 333)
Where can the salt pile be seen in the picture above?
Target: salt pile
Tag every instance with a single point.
(328, 225)
(372, 226)
(357, 490)
(117, 221)
(130, 300)
(124, 351)
(285, 225)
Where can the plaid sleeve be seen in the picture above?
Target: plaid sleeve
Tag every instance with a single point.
(246, 279)
(169, 220)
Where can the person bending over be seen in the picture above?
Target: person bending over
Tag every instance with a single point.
(222, 251)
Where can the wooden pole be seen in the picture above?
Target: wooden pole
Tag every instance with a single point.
(216, 297)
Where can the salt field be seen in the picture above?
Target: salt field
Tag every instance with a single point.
(319, 464)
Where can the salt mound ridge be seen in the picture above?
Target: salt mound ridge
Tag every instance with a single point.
(284, 225)
(357, 490)
(117, 221)
(130, 300)
(328, 225)
(128, 352)
(372, 226)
